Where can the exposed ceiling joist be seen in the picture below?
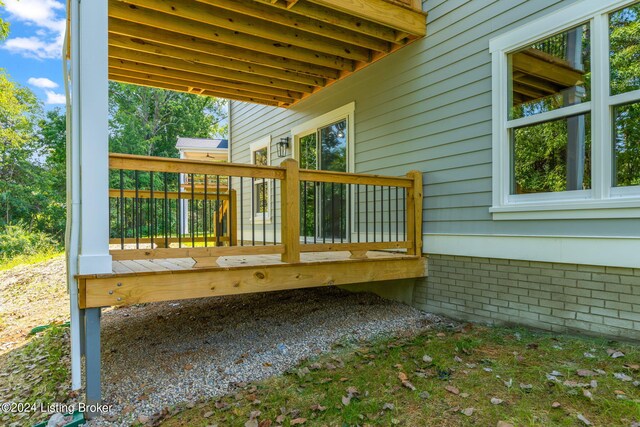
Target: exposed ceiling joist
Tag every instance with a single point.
(273, 52)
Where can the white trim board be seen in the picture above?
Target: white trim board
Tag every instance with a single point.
(605, 251)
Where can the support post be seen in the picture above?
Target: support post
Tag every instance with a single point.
(290, 211)
(92, 356)
(414, 213)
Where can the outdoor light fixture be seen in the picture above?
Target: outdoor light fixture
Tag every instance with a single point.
(283, 146)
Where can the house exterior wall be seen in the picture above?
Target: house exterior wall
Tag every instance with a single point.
(557, 297)
(428, 107)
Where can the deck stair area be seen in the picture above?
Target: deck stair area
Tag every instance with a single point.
(251, 228)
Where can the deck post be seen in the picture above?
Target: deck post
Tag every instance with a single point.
(92, 356)
(290, 211)
(414, 213)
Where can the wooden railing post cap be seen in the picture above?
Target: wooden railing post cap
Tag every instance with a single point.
(290, 162)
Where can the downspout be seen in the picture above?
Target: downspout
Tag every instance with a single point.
(73, 192)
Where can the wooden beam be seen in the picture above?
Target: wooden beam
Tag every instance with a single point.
(414, 213)
(139, 45)
(228, 19)
(168, 253)
(172, 195)
(136, 288)
(551, 71)
(286, 18)
(290, 211)
(160, 36)
(187, 89)
(382, 12)
(162, 66)
(354, 178)
(362, 246)
(140, 15)
(337, 18)
(198, 167)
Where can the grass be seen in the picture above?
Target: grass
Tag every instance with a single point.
(479, 363)
(36, 373)
(9, 263)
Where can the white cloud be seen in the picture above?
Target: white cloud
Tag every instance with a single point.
(48, 18)
(55, 98)
(42, 82)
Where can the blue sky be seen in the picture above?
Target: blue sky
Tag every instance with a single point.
(32, 54)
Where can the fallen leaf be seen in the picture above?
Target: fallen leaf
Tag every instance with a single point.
(584, 420)
(526, 387)
(586, 393)
(615, 353)
(452, 389)
(619, 392)
(588, 355)
(464, 395)
(280, 419)
(556, 373)
(556, 405)
(504, 424)
(346, 400)
(208, 414)
(457, 359)
(405, 381)
(427, 359)
(251, 423)
(352, 391)
(632, 367)
(441, 334)
(188, 367)
(318, 407)
(254, 414)
(424, 395)
(468, 411)
(585, 373)
(487, 369)
(388, 407)
(593, 384)
(496, 401)
(265, 423)
(298, 421)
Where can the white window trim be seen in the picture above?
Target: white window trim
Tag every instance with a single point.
(258, 218)
(345, 112)
(602, 200)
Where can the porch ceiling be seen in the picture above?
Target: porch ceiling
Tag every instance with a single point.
(273, 52)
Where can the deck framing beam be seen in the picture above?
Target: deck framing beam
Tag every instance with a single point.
(135, 288)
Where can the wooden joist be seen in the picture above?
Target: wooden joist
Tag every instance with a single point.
(237, 48)
(169, 284)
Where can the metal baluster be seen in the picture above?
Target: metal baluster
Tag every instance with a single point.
(230, 225)
(205, 217)
(218, 224)
(389, 205)
(166, 211)
(314, 210)
(241, 213)
(263, 203)
(152, 202)
(374, 213)
(136, 211)
(253, 212)
(191, 209)
(273, 210)
(333, 214)
(179, 213)
(366, 213)
(122, 210)
(303, 206)
(382, 213)
(397, 216)
(404, 213)
(358, 211)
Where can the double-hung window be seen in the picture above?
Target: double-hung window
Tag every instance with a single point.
(261, 194)
(566, 114)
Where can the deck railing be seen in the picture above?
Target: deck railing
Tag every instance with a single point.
(158, 210)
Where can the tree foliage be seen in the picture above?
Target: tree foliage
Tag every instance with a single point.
(148, 121)
(4, 25)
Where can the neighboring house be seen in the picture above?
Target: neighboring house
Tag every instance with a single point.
(499, 142)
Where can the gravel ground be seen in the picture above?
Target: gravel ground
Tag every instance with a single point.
(160, 355)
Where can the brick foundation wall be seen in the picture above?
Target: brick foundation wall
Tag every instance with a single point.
(557, 297)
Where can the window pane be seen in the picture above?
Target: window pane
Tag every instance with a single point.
(308, 152)
(624, 51)
(626, 145)
(260, 157)
(261, 195)
(552, 156)
(550, 74)
(333, 146)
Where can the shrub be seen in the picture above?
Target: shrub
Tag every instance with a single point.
(17, 239)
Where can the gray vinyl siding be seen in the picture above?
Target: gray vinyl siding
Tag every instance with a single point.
(428, 107)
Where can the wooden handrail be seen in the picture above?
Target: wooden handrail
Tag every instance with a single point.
(291, 177)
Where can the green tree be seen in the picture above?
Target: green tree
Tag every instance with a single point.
(4, 26)
(148, 121)
(20, 152)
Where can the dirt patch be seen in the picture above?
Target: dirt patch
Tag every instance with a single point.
(31, 295)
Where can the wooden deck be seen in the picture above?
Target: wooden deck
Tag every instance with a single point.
(140, 281)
